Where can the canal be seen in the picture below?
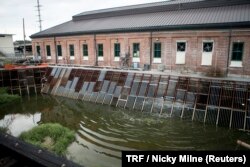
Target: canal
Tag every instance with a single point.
(103, 131)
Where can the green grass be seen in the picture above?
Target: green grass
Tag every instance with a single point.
(3, 91)
(3, 129)
(51, 136)
(7, 98)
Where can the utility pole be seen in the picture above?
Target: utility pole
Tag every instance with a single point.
(39, 15)
(24, 44)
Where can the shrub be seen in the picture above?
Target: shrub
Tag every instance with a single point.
(3, 129)
(7, 98)
(51, 136)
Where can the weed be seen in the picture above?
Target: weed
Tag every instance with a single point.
(51, 136)
(7, 98)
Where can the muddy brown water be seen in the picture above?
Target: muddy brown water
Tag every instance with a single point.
(103, 131)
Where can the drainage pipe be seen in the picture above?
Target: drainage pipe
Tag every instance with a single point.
(55, 50)
(229, 49)
(96, 54)
(151, 43)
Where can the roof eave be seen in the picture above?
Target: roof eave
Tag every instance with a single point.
(153, 28)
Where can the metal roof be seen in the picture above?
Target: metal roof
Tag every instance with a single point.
(134, 9)
(3, 35)
(214, 17)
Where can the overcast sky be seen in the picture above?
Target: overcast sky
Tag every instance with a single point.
(53, 12)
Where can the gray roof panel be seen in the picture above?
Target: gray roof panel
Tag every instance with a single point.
(156, 7)
(171, 2)
(204, 16)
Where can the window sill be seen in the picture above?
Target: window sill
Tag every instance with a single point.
(85, 58)
(48, 57)
(60, 58)
(157, 60)
(117, 59)
(236, 64)
(72, 58)
(136, 59)
(100, 59)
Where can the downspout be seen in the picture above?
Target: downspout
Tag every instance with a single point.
(55, 50)
(44, 52)
(150, 58)
(96, 54)
(229, 49)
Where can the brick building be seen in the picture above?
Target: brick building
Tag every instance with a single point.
(183, 35)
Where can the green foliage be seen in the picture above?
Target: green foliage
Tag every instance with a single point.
(51, 136)
(7, 98)
(3, 90)
(3, 129)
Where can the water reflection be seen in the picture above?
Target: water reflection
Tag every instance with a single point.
(103, 131)
(17, 123)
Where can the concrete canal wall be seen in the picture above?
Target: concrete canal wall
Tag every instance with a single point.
(211, 101)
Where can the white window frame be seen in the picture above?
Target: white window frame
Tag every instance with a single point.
(71, 57)
(181, 56)
(100, 58)
(136, 56)
(117, 59)
(59, 57)
(38, 55)
(157, 60)
(85, 57)
(48, 57)
(207, 57)
(235, 63)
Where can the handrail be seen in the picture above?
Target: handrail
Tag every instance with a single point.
(243, 144)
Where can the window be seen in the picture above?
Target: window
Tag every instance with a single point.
(38, 50)
(136, 49)
(207, 53)
(117, 49)
(100, 50)
(207, 46)
(71, 50)
(180, 52)
(48, 50)
(157, 50)
(59, 50)
(85, 50)
(181, 46)
(237, 52)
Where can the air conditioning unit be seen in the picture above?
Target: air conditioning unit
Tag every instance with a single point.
(161, 67)
(136, 65)
(146, 67)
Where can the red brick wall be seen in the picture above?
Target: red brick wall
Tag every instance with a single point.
(168, 39)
